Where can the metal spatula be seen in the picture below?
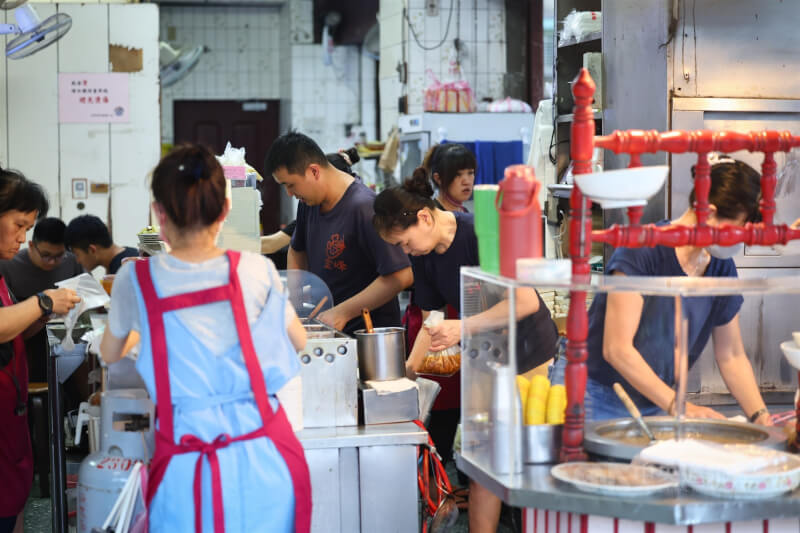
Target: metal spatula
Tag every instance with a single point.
(633, 410)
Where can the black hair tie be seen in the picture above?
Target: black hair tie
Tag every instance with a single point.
(197, 172)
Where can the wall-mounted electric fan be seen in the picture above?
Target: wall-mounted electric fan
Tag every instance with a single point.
(34, 34)
(175, 64)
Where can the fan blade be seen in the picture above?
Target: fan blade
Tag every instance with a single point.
(42, 36)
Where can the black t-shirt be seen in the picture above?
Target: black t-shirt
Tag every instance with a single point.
(24, 279)
(436, 276)
(289, 229)
(655, 334)
(116, 262)
(437, 283)
(346, 252)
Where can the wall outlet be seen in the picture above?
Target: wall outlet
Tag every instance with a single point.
(432, 8)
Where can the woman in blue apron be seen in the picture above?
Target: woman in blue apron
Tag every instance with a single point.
(218, 340)
(21, 204)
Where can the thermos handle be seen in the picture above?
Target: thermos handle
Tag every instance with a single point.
(497, 196)
(522, 212)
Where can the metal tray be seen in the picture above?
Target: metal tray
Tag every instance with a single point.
(614, 438)
(319, 330)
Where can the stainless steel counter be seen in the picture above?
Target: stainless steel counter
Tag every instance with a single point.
(355, 436)
(363, 478)
(536, 488)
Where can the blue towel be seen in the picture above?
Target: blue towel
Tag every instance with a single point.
(493, 157)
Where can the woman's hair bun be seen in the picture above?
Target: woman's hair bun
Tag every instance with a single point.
(419, 183)
(352, 155)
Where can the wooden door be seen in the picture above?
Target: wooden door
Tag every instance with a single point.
(251, 124)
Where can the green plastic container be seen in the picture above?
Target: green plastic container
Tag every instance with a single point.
(487, 227)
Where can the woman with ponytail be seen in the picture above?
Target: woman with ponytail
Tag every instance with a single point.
(441, 242)
(218, 345)
(451, 169)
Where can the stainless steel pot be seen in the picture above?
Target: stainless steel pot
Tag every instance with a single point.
(381, 354)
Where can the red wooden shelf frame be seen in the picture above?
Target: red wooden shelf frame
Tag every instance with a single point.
(635, 235)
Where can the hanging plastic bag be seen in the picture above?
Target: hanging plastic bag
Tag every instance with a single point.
(443, 362)
(92, 295)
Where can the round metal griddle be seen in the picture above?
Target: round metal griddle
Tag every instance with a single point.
(621, 438)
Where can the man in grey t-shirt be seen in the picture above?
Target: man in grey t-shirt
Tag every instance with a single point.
(37, 268)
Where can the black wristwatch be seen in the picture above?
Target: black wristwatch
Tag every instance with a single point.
(45, 303)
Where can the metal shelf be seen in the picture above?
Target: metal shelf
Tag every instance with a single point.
(588, 38)
(598, 115)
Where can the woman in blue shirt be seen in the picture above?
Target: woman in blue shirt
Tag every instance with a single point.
(631, 337)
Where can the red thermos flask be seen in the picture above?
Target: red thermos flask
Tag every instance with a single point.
(520, 218)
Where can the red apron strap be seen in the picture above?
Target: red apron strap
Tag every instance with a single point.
(158, 341)
(246, 340)
(276, 424)
(19, 343)
(194, 299)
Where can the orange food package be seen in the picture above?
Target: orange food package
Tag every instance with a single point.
(443, 362)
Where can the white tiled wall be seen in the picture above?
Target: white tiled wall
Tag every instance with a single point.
(326, 97)
(264, 52)
(243, 60)
(479, 24)
(285, 66)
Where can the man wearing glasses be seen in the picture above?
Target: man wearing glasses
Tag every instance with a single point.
(36, 269)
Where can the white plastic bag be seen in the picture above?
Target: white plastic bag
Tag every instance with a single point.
(233, 157)
(92, 295)
(579, 24)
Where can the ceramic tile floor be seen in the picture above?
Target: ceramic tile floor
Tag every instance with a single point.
(37, 512)
(462, 524)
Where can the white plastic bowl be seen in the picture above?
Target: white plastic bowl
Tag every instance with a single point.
(624, 187)
(746, 485)
(792, 352)
(796, 337)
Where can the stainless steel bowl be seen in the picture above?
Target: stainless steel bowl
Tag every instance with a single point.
(541, 443)
(622, 438)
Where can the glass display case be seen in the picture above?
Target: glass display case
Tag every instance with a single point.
(494, 349)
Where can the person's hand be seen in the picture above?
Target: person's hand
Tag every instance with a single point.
(445, 334)
(63, 300)
(699, 411)
(796, 224)
(411, 370)
(334, 318)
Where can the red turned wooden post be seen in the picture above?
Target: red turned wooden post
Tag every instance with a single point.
(702, 184)
(768, 183)
(580, 234)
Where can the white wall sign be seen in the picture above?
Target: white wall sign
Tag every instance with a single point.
(93, 97)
